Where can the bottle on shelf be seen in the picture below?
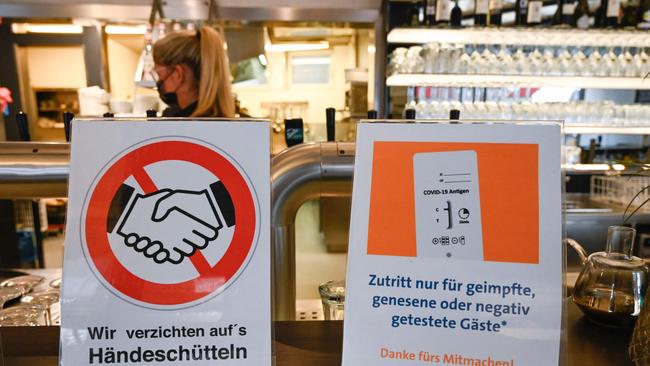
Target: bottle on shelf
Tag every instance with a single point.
(495, 9)
(430, 12)
(443, 10)
(631, 13)
(607, 14)
(581, 15)
(417, 13)
(644, 15)
(456, 15)
(565, 12)
(481, 9)
(521, 12)
(535, 12)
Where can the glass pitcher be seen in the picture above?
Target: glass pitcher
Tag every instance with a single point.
(611, 287)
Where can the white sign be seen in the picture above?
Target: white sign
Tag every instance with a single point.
(167, 242)
(455, 253)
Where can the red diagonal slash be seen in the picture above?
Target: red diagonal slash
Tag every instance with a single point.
(148, 186)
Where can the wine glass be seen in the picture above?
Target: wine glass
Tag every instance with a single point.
(626, 63)
(595, 63)
(43, 299)
(8, 294)
(579, 63)
(521, 62)
(642, 62)
(536, 61)
(565, 62)
(611, 63)
(27, 283)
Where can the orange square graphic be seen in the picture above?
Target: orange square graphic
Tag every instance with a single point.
(508, 187)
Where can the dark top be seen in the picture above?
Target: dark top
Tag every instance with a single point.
(176, 111)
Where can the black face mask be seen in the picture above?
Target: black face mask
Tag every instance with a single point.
(168, 98)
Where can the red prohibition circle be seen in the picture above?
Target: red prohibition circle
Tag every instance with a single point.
(208, 281)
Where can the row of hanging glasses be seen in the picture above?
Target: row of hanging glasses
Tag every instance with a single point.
(436, 58)
(27, 301)
(580, 112)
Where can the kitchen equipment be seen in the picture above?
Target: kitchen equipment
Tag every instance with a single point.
(612, 284)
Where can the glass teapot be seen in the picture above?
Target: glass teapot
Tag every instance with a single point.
(612, 284)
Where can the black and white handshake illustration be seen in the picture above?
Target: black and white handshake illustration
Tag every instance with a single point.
(170, 225)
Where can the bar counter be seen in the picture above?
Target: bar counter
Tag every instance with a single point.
(318, 343)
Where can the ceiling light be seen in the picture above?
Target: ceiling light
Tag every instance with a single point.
(371, 48)
(126, 29)
(22, 28)
(291, 47)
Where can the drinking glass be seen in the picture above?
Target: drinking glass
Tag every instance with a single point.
(8, 294)
(44, 300)
(27, 283)
(397, 64)
(465, 64)
(431, 54)
(455, 52)
(332, 294)
(414, 60)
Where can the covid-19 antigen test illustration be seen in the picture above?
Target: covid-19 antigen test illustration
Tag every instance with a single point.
(448, 205)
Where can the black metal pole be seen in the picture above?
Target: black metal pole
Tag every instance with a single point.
(330, 123)
(23, 130)
(67, 124)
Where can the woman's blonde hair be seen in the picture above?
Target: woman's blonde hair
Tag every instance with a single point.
(204, 53)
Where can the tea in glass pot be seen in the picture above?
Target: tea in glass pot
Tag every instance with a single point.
(612, 284)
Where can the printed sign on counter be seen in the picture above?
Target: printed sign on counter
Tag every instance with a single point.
(455, 253)
(167, 242)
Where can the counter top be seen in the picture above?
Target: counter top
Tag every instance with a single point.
(319, 343)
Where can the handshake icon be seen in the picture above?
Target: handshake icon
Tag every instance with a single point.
(170, 225)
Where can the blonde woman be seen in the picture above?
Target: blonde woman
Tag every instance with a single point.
(193, 76)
